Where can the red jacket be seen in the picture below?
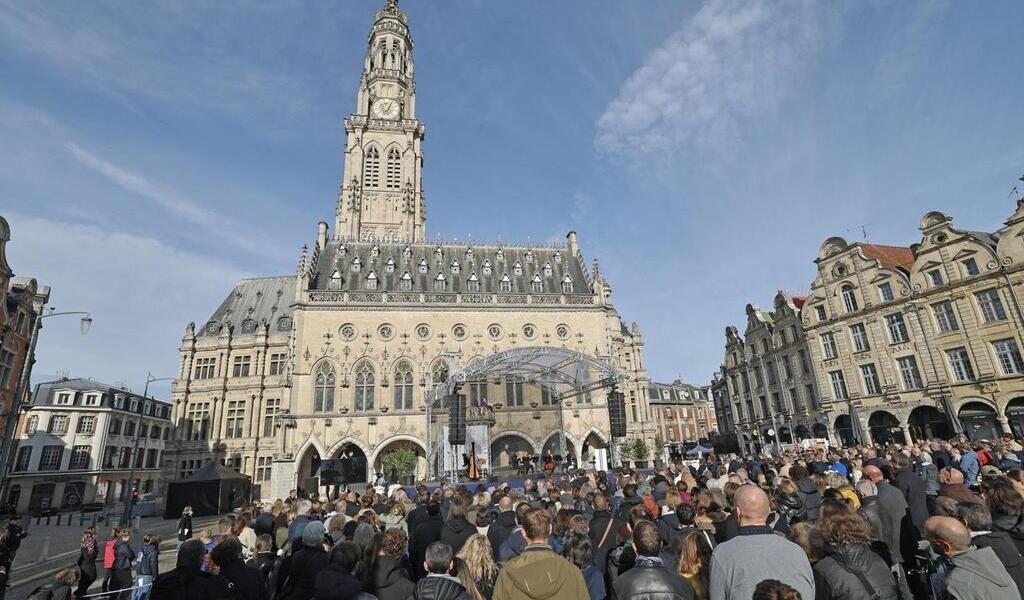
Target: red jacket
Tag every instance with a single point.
(108, 553)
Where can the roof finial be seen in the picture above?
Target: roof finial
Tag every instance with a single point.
(391, 6)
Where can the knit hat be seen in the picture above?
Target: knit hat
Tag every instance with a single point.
(313, 534)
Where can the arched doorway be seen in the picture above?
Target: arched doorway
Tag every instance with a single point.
(353, 463)
(553, 447)
(306, 479)
(507, 445)
(802, 433)
(401, 461)
(885, 428)
(844, 429)
(926, 422)
(785, 436)
(979, 421)
(1015, 413)
(591, 443)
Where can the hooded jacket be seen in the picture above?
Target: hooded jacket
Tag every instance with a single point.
(540, 574)
(810, 496)
(838, 574)
(1013, 525)
(455, 532)
(439, 587)
(390, 581)
(1003, 546)
(500, 529)
(149, 563)
(977, 574)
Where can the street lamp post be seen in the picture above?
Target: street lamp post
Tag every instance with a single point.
(127, 494)
(19, 390)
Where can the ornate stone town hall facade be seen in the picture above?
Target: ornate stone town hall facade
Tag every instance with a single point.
(338, 358)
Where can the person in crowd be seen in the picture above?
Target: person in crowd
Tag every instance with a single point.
(808, 491)
(630, 498)
(246, 535)
(148, 566)
(973, 573)
(538, 572)
(185, 525)
(623, 556)
(265, 557)
(363, 535)
(604, 527)
(773, 589)
(649, 577)
(121, 570)
(894, 505)
(756, 553)
(695, 562)
(457, 529)
(439, 584)
(385, 576)
(913, 488)
(1006, 505)
(265, 523)
(108, 556)
(427, 531)
(59, 588)
(504, 524)
(186, 581)
(970, 465)
(978, 520)
(302, 508)
(668, 521)
(298, 572)
(878, 520)
(788, 502)
(579, 550)
(245, 582)
(89, 551)
(336, 528)
(476, 568)
(396, 517)
(850, 570)
(951, 484)
(339, 581)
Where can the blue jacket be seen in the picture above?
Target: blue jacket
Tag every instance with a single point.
(970, 466)
(595, 582)
(515, 543)
(123, 555)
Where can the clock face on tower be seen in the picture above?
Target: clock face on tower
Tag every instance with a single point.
(385, 108)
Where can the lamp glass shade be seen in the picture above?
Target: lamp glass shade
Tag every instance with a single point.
(86, 324)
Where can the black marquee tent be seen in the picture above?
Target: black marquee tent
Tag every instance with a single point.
(212, 490)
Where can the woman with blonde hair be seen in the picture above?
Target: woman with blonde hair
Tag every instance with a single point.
(695, 562)
(476, 568)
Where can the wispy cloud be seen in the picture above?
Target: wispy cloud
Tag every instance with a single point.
(174, 203)
(732, 62)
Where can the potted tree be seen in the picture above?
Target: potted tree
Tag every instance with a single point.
(623, 453)
(399, 465)
(659, 452)
(640, 453)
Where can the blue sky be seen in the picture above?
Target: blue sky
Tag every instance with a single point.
(156, 152)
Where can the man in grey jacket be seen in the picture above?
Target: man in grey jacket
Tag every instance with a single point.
(973, 573)
(756, 553)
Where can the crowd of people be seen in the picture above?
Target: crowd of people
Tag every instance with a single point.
(931, 520)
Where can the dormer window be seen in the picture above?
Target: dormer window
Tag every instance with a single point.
(438, 254)
(517, 269)
(500, 254)
(487, 267)
(473, 283)
(971, 267)
(469, 255)
(455, 267)
(849, 298)
(407, 252)
(439, 283)
(423, 265)
(935, 277)
(389, 267)
(567, 285)
(558, 256)
(357, 265)
(336, 281)
(547, 269)
(406, 282)
(342, 250)
(505, 284)
(371, 281)
(375, 251)
(537, 284)
(528, 256)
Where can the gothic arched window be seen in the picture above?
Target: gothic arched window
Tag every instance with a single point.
(371, 281)
(335, 282)
(849, 298)
(473, 283)
(403, 386)
(371, 168)
(439, 373)
(394, 172)
(323, 389)
(537, 284)
(366, 379)
(405, 283)
(439, 282)
(505, 284)
(567, 285)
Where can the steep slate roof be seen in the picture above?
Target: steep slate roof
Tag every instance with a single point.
(252, 301)
(331, 259)
(891, 257)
